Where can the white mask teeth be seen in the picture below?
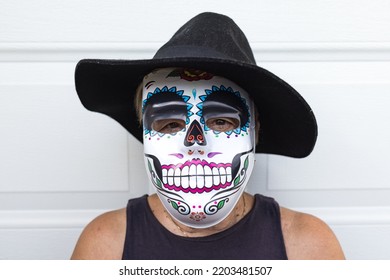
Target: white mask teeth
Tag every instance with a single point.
(193, 178)
(222, 172)
(165, 176)
(229, 174)
(185, 171)
(207, 170)
(197, 176)
(208, 181)
(216, 179)
(177, 177)
(208, 178)
(170, 176)
(185, 180)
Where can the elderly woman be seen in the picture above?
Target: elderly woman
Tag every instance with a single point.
(202, 109)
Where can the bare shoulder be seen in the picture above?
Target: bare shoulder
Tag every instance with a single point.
(103, 238)
(308, 237)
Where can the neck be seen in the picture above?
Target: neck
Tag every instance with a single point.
(240, 210)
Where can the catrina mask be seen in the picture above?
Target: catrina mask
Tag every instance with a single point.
(199, 134)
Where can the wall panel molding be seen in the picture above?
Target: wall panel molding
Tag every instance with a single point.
(54, 219)
(351, 216)
(47, 219)
(50, 141)
(283, 51)
(351, 152)
(48, 234)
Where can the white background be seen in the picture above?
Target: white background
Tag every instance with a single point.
(61, 165)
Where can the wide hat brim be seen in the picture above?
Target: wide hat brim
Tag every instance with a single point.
(287, 124)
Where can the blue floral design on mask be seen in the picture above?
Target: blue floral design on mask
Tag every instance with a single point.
(163, 90)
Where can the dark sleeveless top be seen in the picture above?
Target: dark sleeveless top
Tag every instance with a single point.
(257, 236)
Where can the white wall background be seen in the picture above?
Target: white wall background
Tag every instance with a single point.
(61, 165)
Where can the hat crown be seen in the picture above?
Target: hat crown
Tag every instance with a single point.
(212, 43)
(209, 35)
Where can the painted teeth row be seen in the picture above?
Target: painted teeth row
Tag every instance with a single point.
(202, 176)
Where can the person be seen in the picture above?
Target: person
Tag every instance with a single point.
(202, 108)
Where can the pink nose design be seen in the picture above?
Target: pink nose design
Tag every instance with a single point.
(195, 135)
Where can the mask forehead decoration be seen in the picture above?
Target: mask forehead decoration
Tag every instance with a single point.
(199, 133)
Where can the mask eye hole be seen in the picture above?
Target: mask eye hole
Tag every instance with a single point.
(222, 124)
(168, 126)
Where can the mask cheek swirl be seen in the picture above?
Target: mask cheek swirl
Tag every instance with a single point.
(198, 144)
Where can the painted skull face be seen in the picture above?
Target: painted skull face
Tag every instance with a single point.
(199, 133)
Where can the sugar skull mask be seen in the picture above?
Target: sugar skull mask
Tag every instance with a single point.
(199, 133)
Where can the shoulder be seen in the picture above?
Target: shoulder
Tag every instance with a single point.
(308, 237)
(103, 238)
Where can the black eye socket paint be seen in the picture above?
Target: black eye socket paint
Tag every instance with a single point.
(164, 105)
(213, 109)
(225, 104)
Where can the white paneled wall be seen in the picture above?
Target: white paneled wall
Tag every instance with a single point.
(61, 165)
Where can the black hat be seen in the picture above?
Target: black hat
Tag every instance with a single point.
(213, 43)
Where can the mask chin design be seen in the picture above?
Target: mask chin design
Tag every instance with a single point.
(199, 133)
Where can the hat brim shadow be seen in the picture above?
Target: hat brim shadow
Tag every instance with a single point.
(287, 124)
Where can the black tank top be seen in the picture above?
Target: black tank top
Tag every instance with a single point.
(257, 236)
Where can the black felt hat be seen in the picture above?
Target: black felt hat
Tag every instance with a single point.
(213, 43)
